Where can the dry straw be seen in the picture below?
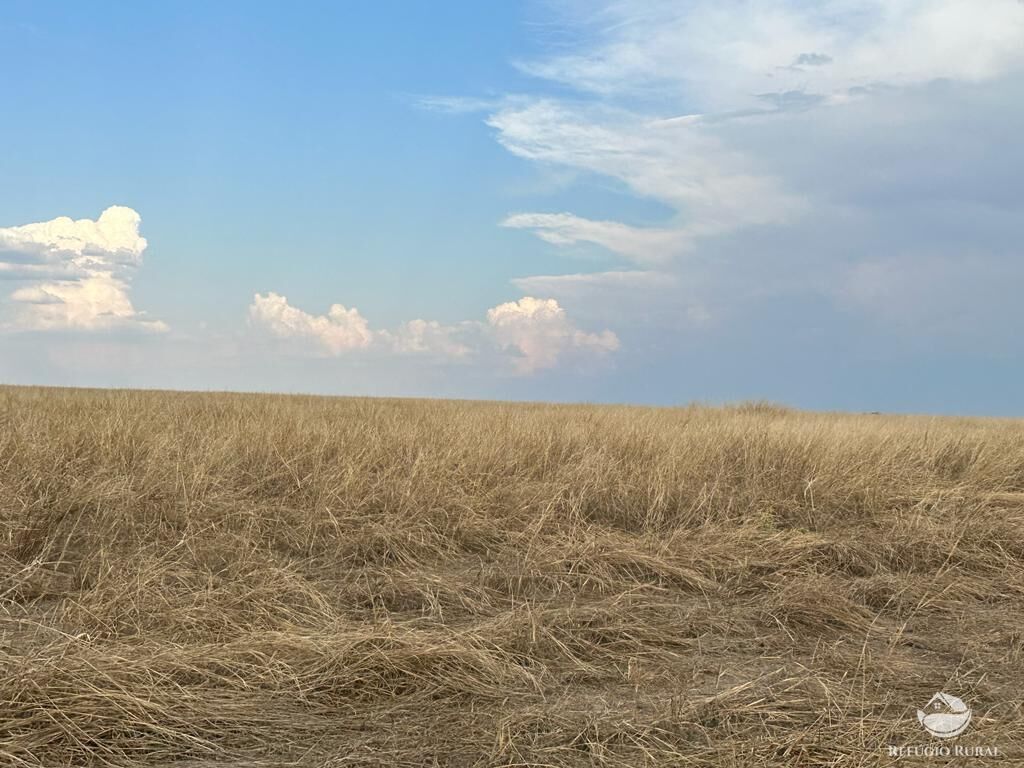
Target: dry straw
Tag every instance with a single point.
(242, 580)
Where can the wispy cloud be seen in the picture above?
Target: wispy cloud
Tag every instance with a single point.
(456, 105)
(714, 188)
(643, 245)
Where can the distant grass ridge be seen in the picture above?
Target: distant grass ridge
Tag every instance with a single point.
(218, 579)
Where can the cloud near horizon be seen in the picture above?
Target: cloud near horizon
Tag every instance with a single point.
(537, 333)
(339, 330)
(74, 274)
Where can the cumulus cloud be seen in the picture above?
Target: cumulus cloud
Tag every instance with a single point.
(540, 332)
(76, 274)
(112, 238)
(339, 330)
(537, 333)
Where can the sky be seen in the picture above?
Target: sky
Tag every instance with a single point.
(642, 201)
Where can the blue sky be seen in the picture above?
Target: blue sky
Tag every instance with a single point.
(633, 201)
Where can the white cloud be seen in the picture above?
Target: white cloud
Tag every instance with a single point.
(540, 332)
(98, 301)
(113, 238)
(537, 333)
(455, 105)
(646, 246)
(338, 331)
(713, 189)
(577, 285)
(77, 273)
(718, 54)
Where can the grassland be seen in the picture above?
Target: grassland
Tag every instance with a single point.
(243, 580)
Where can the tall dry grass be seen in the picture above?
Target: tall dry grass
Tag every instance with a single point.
(214, 579)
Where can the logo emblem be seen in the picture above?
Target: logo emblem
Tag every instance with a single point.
(944, 716)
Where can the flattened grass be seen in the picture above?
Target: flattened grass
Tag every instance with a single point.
(216, 579)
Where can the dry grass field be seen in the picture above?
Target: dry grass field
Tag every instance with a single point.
(247, 580)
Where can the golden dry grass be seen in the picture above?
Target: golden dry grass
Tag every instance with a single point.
(244, 580)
